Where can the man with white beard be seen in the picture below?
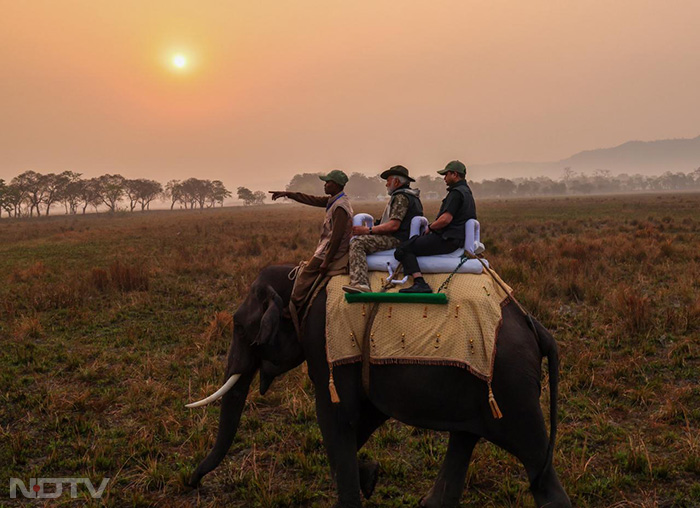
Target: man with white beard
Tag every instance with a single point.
(390, 231)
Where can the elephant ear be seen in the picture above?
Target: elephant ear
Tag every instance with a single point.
(270, 320)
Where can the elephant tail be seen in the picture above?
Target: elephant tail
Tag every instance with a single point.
(548, 348)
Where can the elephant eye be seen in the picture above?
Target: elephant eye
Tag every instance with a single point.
(239, 329)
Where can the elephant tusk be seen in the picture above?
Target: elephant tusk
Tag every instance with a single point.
(218, 393)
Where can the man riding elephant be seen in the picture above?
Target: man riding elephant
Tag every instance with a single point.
(444, 235)
(330, 256)
(392, 229)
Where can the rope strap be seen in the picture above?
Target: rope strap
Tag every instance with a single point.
(446, 282)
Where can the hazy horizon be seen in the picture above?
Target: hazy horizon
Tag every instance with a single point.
(272, 91)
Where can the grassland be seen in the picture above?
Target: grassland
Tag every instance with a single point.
(109, 324)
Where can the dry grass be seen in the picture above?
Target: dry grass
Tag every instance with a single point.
(110, 324)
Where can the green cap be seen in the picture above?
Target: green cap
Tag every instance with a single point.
(456, 166)
(336, 176)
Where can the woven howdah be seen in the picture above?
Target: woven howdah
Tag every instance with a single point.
(434, 298)
(461, 332)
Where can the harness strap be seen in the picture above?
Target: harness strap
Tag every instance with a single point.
(366, 342)
(306, 303)
(509, 293)
(449, 277)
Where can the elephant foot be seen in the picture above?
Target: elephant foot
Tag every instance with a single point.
(549, 492)
(426, 502)
(339, 505)
(193, 481)
(439, 498)
(429, 502)
(369, 473)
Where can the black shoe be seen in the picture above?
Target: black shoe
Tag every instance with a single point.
(419, 286)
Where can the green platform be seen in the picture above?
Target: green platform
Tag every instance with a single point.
(432, 298)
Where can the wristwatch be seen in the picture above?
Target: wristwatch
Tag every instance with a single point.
(370, 230)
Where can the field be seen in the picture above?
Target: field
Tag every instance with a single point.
(110, 324)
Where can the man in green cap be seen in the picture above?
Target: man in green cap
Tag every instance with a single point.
(331, 255)
(446, 233)
(393, 228)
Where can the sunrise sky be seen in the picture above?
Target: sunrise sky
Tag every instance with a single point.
(266, 89)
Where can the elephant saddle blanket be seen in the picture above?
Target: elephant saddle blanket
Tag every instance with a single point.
(460, 334)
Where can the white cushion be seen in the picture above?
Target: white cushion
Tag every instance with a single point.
(442, 263)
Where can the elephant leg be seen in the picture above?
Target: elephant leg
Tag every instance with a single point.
(449, 484)
(548, 491)
(528, 441)
(370, 419)
(340, 440)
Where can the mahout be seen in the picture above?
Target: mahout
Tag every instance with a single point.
(431, 397)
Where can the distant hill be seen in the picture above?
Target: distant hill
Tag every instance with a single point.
(643, 157)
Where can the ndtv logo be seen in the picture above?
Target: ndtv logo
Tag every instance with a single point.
(36, 488)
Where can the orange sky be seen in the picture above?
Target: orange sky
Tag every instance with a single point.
(281, 87)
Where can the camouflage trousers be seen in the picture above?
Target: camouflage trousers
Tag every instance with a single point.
(360, 246)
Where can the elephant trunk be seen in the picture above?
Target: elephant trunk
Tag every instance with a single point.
(232, 404)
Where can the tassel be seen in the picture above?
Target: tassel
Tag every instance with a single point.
(495, 410)
(331, 388)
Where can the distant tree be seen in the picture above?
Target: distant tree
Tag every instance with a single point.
(141, 191)
(528, 188)
(568, 174)
(639, 182)
(676, 181)
(131, 189)
(500, 187)
(89, 193)
(246, 195)
(581, 186)
(555, 188)
(14, 196)
(53, 187)
(307, 183)
(188, 193)
(259, 197)
(111, 190)
(173, 192)
(364, 187)
(602, 181)
(31, 185)
(148, 190)
(196, 191)
(70, 192)
(218, 193)
(430, 187)
(540, 186)
(3, 196)
(695, 175)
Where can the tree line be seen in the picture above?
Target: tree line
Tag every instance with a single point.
(361, 186)
(33, 192)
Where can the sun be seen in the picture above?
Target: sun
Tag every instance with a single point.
(179, 61)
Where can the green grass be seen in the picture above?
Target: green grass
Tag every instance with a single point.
(110, 324)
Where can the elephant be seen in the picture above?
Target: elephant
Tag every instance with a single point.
(431, 397)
